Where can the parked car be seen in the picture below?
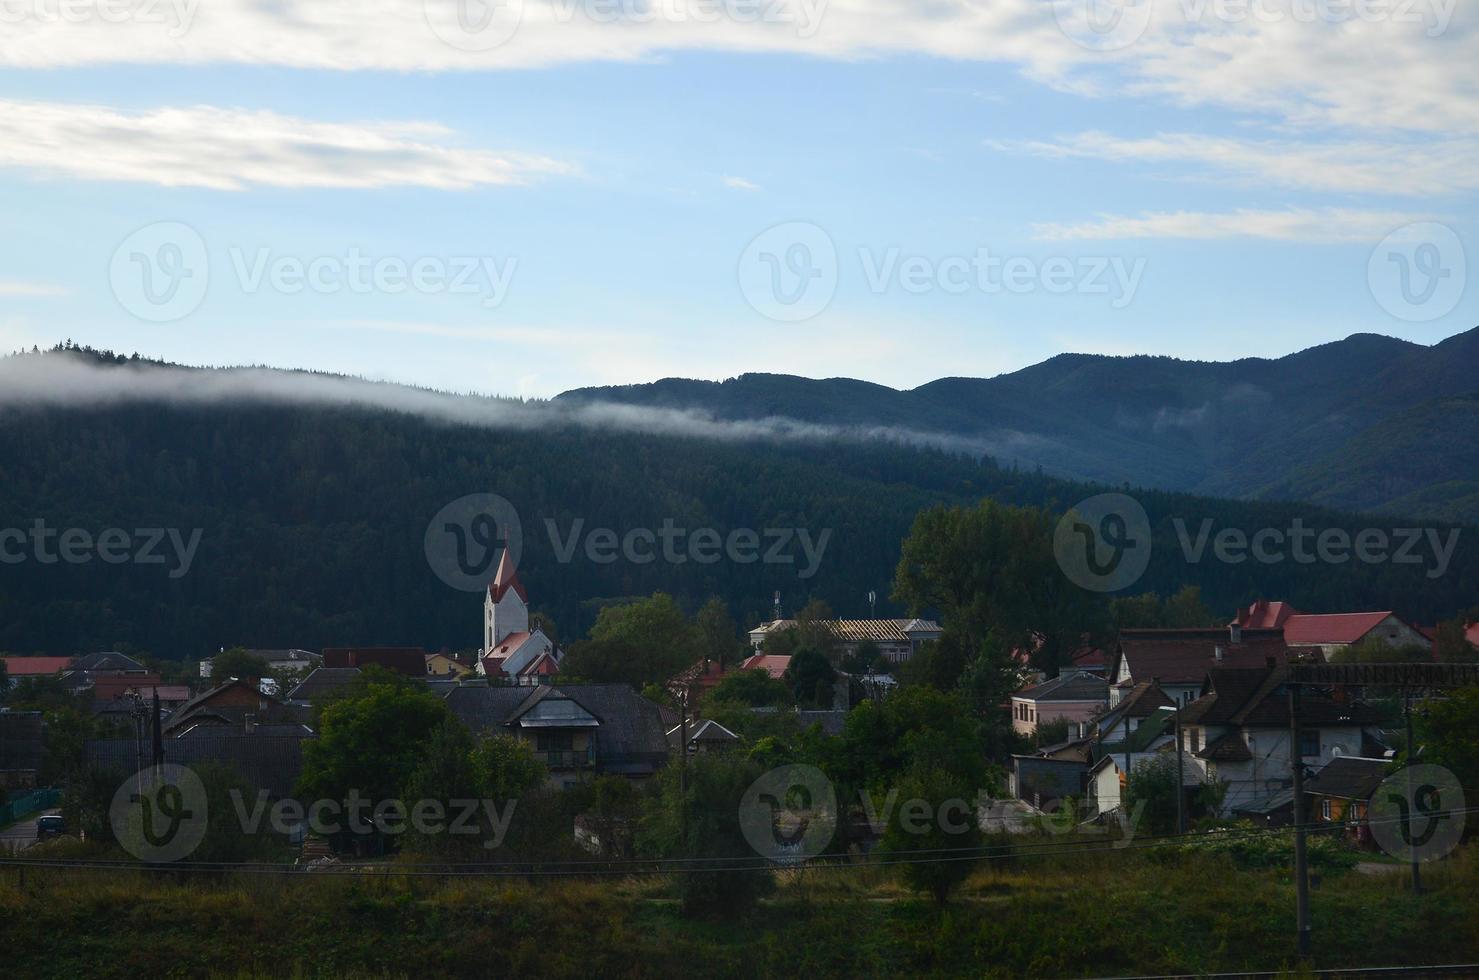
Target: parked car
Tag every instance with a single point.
(51, 825)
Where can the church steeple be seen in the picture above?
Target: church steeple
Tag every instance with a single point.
(506, 605)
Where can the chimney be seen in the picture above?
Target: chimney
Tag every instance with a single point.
(1235, 633)
(1218, 652)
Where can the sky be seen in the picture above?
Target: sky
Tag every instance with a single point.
(537, 195)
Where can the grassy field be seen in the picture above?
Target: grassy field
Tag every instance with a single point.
(1058, 916)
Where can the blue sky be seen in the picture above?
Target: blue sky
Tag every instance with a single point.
(1210, 188)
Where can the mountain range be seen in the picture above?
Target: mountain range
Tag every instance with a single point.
(1369, 423)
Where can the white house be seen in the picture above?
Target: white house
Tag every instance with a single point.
(896, 639)
(510, 649)
(1237, 732)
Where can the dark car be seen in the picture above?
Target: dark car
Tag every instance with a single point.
(51, 825)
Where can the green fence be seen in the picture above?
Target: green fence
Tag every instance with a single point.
(24, 806)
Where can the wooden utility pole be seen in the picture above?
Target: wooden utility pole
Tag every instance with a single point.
(1180, 778)
(1417, 879)
(1301, 862)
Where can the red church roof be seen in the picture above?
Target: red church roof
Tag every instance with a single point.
(506, 578)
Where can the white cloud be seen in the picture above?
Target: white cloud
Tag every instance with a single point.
(1392, 72)
(1317, 226)
(232, 149)
(1406, 168)
(11, 287)
(741, 184)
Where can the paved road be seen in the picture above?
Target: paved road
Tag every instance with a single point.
(23, 834)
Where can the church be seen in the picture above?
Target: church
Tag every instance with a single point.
(510, 649)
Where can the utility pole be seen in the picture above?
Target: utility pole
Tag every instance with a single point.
(683, 761)
(1417, 880)
(1180, 778)
(1301, 863)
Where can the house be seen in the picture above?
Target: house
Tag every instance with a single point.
(1041, 780)
(1071, 697)
(703, 736)
(773, 664)
(321, 682)
(1341, 793)
(510, 648)
(111, 687)
(1329, 632)
(577, 730)
(18, 667)
(1144, 734)
(1178, 659)
(236, 707)
(410, 661)
(1237, 731)
(896, 639)
(109, 663)
(442, 665)
(696, 681)
(1137, 704)
(289, 660)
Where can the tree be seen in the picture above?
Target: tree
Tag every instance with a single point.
(636, 643)
(915, 726)
(718, 636)
(811, 677)
(753, 688)
(697, 818)
(1452, 644)
(865, 658)
(1445, 728)
(371, 743)
(1153, 784)
(933, 831)
(236, 662)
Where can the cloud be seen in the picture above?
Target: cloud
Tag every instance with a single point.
(740, 184)
(1395, 167)
(11, 287)
(1318, 226)
(233, 149)
(1408, 70)
(50, 380)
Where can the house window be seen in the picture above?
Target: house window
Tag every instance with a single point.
(554, 741)
(1194, 736)
(1324, 809)
(1309, 743)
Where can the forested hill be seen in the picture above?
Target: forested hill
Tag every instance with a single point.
(1368, 423)
(313, 514)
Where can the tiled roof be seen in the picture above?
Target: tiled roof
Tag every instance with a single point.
(1068, 687)
(410, 661)
(772, 664)
(1228, 748)
(108, 661)
(1331, 627)
(35, 666)
(1348, 777)
(858, 630)
(631, 735)
(323, 680)
(1256, 697)
(1184, 656)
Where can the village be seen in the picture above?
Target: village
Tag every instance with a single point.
(1211, 706)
